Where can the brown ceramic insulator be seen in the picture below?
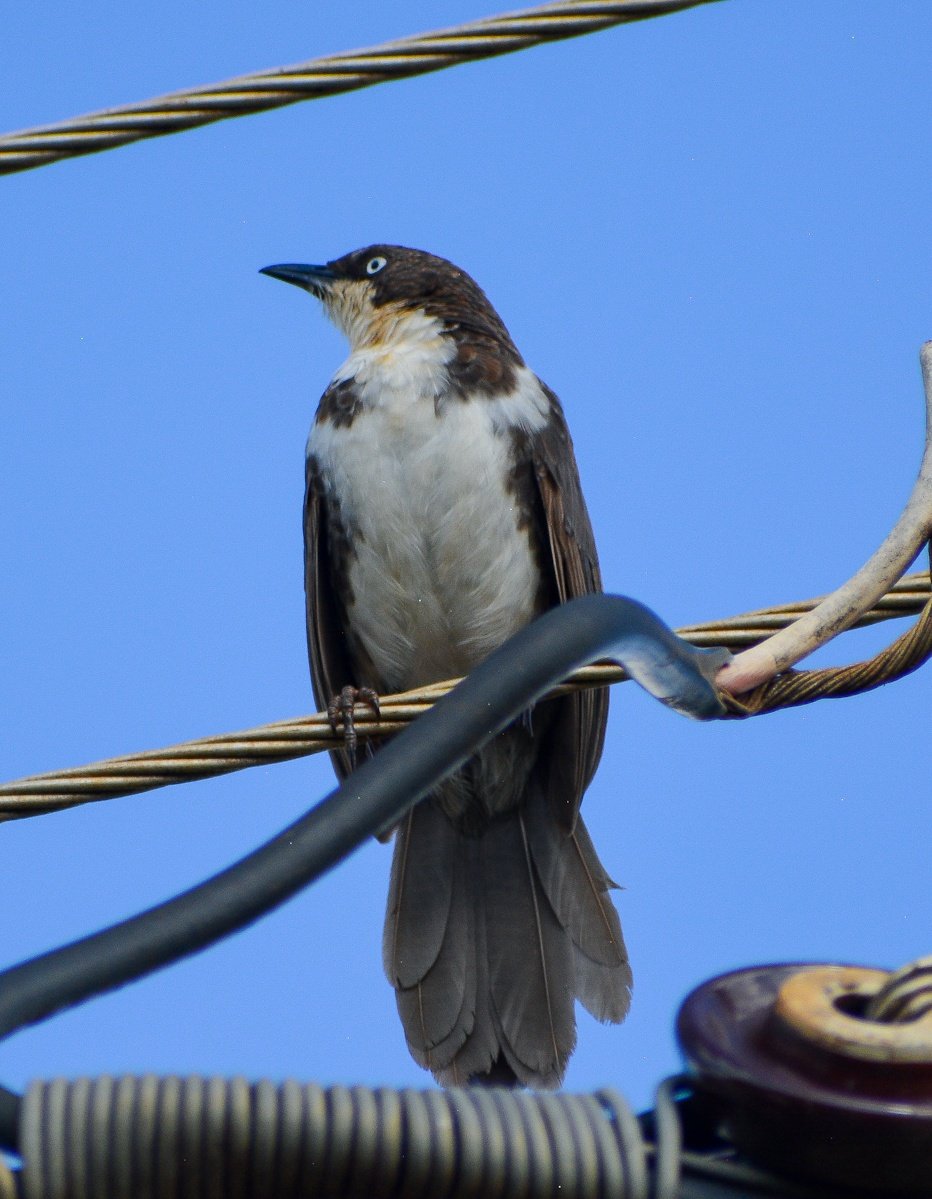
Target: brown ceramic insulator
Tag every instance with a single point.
(807, 1087)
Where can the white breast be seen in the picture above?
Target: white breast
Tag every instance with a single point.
(442, 574)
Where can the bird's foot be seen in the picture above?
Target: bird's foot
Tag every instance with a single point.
(340, 711)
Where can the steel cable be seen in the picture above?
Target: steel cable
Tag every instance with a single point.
(797, 687)
(328, 76)
(286, 740)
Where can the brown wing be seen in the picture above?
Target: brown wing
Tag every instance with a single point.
(579, 728)
(328, 653)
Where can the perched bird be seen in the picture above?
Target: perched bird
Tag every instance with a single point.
(442, 513)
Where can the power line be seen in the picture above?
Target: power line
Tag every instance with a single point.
(328, 76)
(289, 739)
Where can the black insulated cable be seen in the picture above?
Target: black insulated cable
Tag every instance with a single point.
(372, 799)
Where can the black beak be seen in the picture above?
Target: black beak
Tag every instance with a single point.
(315, 279)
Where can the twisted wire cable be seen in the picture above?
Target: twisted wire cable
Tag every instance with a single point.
(797, 687)
(327, 76)
(285, 740)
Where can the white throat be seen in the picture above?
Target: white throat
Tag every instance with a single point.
(407, 363)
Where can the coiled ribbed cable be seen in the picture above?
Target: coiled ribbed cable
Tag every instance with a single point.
(167, 1138)
(906, 995)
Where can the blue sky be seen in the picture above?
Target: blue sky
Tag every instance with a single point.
(708, 233)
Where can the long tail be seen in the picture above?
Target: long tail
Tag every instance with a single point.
(490, 938)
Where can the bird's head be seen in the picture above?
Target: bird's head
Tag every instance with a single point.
(384, 294)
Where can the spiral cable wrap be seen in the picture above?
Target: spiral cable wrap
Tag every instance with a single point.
(182, 1138)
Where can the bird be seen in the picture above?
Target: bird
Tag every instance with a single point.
(443, 512)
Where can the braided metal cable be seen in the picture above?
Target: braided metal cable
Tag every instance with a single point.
(795, 688)
(122, 1138)
(328, 76)
(285, 740)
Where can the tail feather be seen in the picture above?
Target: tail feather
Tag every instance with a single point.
(419, 895)
(548, 1078)
(480, 1051)
(458, 1051)
(530, 958)
(576, 884)
(489, 940)
(440, 1008)
(604, 991)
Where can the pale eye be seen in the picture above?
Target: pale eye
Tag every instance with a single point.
(374, 265)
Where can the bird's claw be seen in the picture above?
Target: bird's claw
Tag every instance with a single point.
(340, 711)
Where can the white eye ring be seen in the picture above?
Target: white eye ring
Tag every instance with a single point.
(374, 265)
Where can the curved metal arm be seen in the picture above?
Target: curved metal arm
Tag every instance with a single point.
(844, 607)
(373, 798)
